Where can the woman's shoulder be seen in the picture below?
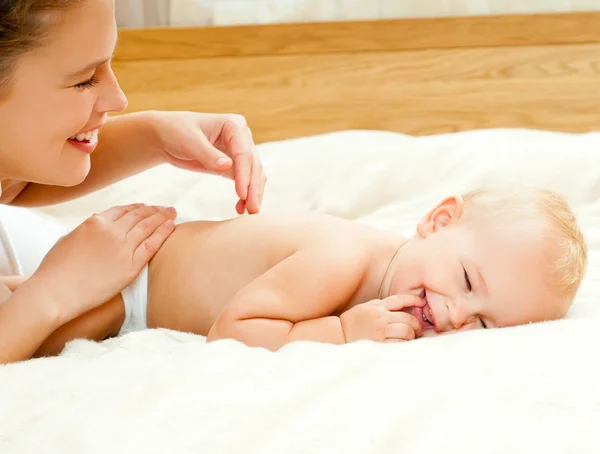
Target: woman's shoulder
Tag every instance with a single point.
(25, 238)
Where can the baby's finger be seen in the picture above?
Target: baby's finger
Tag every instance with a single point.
(399, 302)
(148, 248)
(407, 319)
(399, 331)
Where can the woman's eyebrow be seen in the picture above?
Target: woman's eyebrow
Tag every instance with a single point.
(94, 64)
(88, 68)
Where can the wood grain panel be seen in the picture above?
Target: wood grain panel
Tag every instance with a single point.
(361, 36)
(415, 92)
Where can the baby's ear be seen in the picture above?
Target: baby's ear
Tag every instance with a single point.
(444, 213)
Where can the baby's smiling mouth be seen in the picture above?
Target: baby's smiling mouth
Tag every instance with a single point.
(426, 313)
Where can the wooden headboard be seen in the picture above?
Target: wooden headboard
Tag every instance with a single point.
(417, 76)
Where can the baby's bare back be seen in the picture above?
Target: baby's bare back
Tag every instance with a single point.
(204, 264)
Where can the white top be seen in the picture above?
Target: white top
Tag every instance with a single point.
(25, 238)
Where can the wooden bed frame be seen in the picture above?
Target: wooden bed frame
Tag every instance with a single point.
(417, 76)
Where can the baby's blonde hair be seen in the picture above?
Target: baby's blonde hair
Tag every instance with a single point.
(569, 262)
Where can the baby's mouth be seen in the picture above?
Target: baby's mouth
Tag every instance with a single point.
(427, 319)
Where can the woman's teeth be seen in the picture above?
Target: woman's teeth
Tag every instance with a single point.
(82, 136)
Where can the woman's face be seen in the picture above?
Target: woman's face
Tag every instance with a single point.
(61, 92)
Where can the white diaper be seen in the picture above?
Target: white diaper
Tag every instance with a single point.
(135, 299)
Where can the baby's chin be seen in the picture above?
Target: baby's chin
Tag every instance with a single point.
(429, 333)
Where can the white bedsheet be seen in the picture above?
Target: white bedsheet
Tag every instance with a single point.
(526, 389)
(237, 12)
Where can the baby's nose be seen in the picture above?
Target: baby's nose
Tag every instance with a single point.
(459, 315)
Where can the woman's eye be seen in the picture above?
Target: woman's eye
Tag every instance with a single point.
(483, 323)
(467, 281)
(91, 82)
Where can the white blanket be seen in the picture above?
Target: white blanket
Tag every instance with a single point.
(526, 389)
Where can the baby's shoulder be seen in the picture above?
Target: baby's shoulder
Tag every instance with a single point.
(344, 239)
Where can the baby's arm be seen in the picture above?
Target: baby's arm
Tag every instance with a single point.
(295, 299)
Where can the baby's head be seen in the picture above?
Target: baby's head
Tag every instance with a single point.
(492, 258)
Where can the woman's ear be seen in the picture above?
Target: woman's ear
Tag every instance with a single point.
(444, 213)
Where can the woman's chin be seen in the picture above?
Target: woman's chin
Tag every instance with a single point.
(72, 174)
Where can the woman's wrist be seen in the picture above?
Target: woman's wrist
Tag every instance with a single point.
(27, 318)
(49, 308)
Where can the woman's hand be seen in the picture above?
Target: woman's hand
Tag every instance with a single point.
(214, 143)
(98, 259)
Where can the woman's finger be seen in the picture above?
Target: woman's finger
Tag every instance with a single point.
(207, 154)
(134, 218)
(116, 212)
(147, 226)
(242, 174)
(150, 246)
(240, 146)
(240, 207)
(256, 189)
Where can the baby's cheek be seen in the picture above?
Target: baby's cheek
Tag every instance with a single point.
(468, 326)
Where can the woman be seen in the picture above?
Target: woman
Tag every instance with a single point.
(56, 89)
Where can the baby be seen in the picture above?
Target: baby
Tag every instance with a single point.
(487, 259)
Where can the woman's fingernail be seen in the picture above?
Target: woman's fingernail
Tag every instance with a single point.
(171, 210)
(222, 161)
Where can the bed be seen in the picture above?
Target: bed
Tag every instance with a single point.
(373, 121)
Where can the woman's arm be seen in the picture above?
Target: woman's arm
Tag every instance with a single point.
(27, 318)
(97, 324)
(83, 270)
(127, 146)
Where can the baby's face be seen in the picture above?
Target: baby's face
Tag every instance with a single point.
(475, 277)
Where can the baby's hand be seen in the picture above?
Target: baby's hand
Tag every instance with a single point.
(383, 320)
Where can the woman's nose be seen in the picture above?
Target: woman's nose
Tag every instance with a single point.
(112, 98)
